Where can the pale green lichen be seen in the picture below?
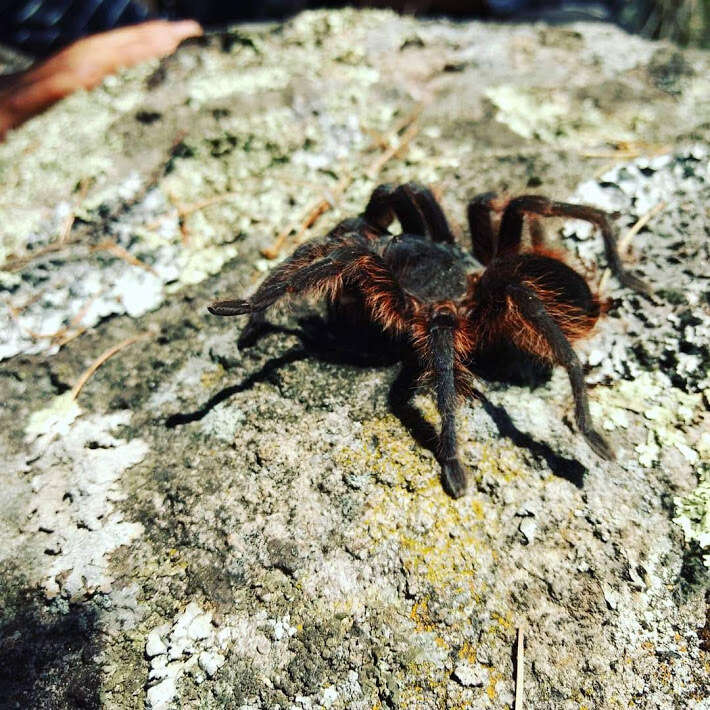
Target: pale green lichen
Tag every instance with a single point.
(76, 466)
(196, 265)
(56, 418)
(552, 115)
(665, 412)
(693, 510)
(693, 515)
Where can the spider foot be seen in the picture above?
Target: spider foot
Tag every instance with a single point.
(599, 445)
(633, 282)
(229, 308)
(453, 478)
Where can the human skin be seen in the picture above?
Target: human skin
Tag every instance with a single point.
(83, 64)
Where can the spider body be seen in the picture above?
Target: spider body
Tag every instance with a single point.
(450, 307)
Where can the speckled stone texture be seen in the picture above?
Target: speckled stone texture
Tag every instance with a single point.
(206, 527)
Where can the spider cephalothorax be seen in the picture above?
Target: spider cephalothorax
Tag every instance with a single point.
(451, 306)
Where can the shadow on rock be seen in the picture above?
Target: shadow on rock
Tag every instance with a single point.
(569, 469)
(323, 340)
(263, 375)
(340, 341)
(46, 659)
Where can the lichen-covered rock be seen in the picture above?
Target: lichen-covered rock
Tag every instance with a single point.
(209, 527)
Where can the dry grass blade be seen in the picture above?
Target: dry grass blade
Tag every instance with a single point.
(395, 148)
(121, 253)
(71, 217)
(309, 220)
(186, 209)
(520, 670)
(640, 224)
(66, 227)
(20, 262)
(106, 355)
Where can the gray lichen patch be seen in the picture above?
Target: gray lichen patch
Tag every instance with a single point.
(267, 496)
(75, 463)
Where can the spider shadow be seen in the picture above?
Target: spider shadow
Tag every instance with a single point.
(265, 374)
(569, 469)
(320, 339)
(334, 341)
(400, 402)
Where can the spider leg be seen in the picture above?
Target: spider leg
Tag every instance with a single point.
(437, 227)
(441, 345)
(483, 239)
(305, 254)
(277, 279)
(533, 311)
(388, 202)
(537, 232)
(414, 206)
(512, 221)
(353, 263)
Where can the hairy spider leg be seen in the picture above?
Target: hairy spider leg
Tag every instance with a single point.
(443, 363)
(533, 310)
(484, 242)
(304, 255)
(414, 206)
(438, 229)
(537, 232)
(388, 202)
(510, 232)
(353, 263)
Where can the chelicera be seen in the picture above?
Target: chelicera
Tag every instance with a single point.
(450, 307)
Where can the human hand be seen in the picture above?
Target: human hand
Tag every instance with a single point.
(83, 64)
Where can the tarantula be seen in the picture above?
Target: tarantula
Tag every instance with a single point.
(450, 306)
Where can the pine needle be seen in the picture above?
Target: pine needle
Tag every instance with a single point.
(520, 670)
(106, 355)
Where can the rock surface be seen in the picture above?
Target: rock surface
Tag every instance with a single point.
(208, 527)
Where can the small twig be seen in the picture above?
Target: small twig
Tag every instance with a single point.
(611, 154)
(520, 670)
(60, 337)
(15, 316)
(604, 280)
(66, 227)
(101, 359)
(31, 300)
(66, 335)
(401, 145)
(186, 209)
(19, 262)
(121, 253)
(309, 220)
(624, 150)
(640, 224)
(71, 217)
(409, 118)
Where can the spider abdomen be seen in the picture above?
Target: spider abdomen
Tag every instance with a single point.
(564, 293)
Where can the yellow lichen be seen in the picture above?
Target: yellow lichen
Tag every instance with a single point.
(211, 378)
(493, 678)
(467, 653)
